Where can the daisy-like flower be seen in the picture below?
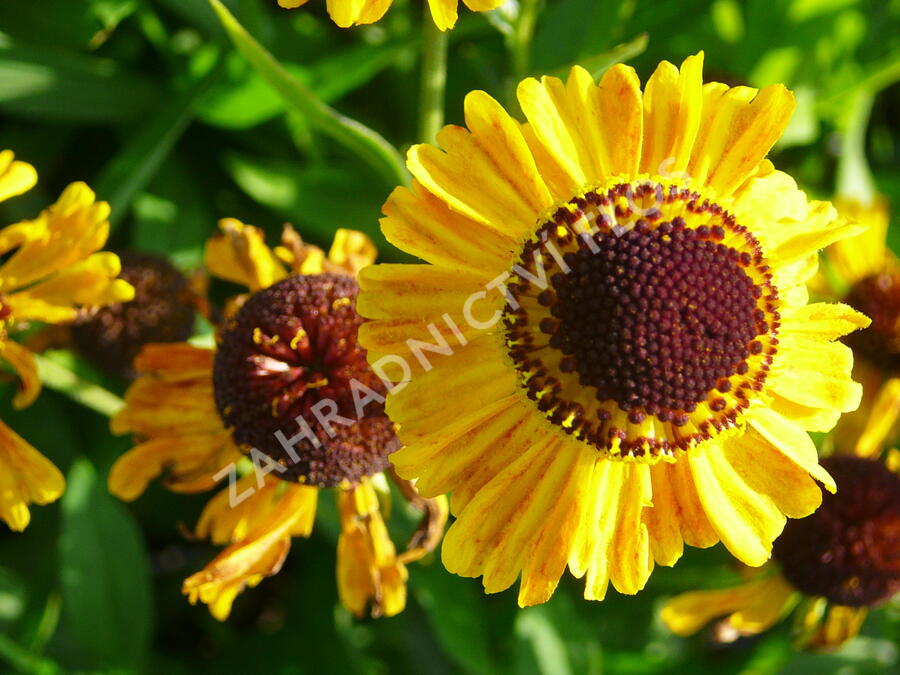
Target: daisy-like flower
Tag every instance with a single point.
(288, 385)
(866, 275)
(831, 566)
(346, 13)
(51, 268)
(610, 352)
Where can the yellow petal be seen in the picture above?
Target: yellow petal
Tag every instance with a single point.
(823, 320)
(23, 363)
(841, 624)
(240, 255)
(421, 292)
(351, 250)
(175, 361)
(444, 13)
(673, 105)
(662, 521)
(226, 520)
(791, 441)
(740, 125)
(630, 561)
(247, 563)
(865, 254)
(746, 522)
(487, 173)
(15, 177)
(490, 519)
(344, 12)
(770, 474)
(369, 575)
(820, 228)
(26, 477)
(881, 419)
(815, 373)
(64, 234)
(420, 223)
(90, 282)
(753, 607)
(372, 11)
(190, 462)
(473, 377)
(549, 539)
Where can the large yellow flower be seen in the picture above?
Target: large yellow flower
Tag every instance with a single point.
(50, 270)
(288, 346)
(835, 564)
(610, 352)
(346, 13)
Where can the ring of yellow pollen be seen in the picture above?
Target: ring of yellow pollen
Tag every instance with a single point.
(642, 319)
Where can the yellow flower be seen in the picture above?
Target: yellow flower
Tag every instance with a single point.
(610, 352)
(835, 565)
(866, 275)
(346, 13)
(282, 350)
(50, 270)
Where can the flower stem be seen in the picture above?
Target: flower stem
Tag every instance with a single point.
(434, 80)
(854, 178)
(90, 395)
(520, 39)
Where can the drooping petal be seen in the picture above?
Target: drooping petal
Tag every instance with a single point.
(24, 364)
(753, 607)
(246, 563)
(369, 575)
(16, 177)
(90, 282)
(26, 477)
(191, 463)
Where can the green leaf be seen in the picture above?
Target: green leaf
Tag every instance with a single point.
(61, 85)
(543, 649)
(105, 574)
(367, 144)
(312, 197)
(455, 610)
(56, 370)
(139, 160)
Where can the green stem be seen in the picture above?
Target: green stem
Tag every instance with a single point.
(90, 395)
(434, 80)
(364, 142)
(520, 39)
(854, 179)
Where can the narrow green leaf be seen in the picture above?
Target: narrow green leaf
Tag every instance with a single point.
(133, 168)
(105, 574)
(58, 376)
(356, 137)
(61, 85)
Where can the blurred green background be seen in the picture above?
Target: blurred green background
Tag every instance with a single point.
(148, 102)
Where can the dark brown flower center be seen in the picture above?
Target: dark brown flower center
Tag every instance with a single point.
(641, 319)
(162, 311)
(878, 297)
(849, 550)
(290, 354)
